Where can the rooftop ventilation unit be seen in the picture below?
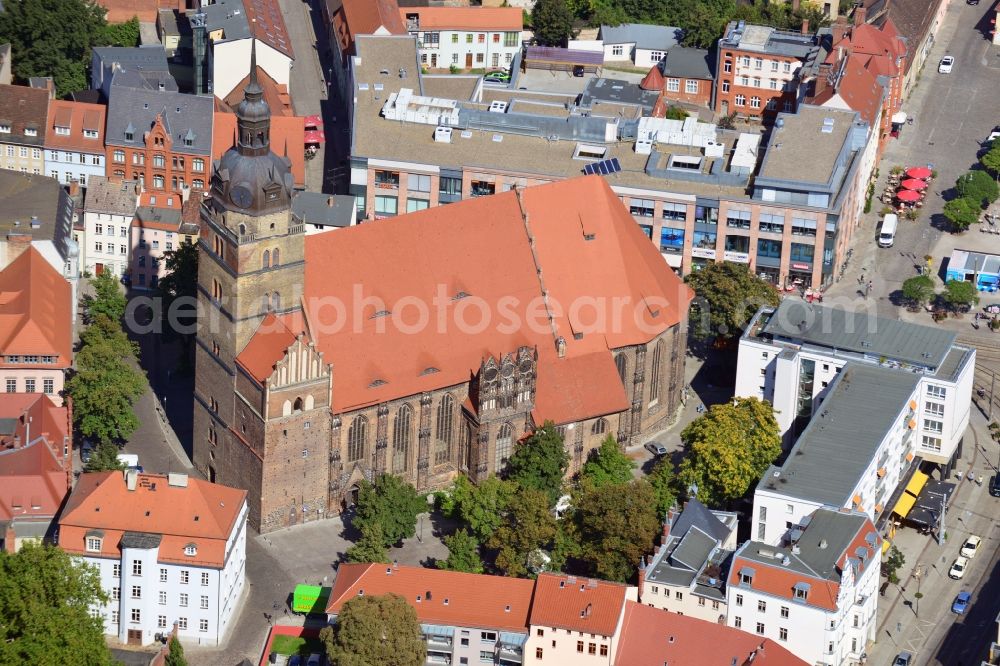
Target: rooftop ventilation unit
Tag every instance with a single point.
(498, 107)
(442, 135)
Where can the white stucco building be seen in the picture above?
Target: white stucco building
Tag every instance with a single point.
(168, 549)
(230, 24)
(641, 44)
(816, 596)
(465, 37)
(107, 220)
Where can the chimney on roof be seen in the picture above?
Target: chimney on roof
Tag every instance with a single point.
(329, 202)
(561, 346)
(839, 29)
(860, 15)
(131, 476)
(642, 575)
(805, 26)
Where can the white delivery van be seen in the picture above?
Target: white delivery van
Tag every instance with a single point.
(888, 233)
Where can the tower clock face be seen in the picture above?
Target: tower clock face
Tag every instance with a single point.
(241, 196)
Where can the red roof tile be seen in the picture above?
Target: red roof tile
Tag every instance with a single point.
(202, 513)
(653, 80)
(275, 94)
(263, 351)
(780, 582)
(480, 248)
(363, 17)
(36, 311)
(446, 597)
(578, 604)
(268, 25)
(466, 18)
(860, 89)
(653, 637)
(77, 116)
(24, 108)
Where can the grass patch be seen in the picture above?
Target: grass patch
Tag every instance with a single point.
(296, 645)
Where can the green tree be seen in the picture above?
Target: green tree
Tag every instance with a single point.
(962, 213)
(552, 21)
(614, 526)
(728, 294)
(894, 561)
(728, 448)
(180, 283)
(176, 655)
(527, 526)
(959, 294)
(104, 458)
(375, 630)
(977, 186)
(370, 547)
(45, 600)
(540, 462)
(392, 503)
(662, 480)
(480, 506)
(918, 290)
(463, 553)
(122, 34)
(108, 298)
(607, 465)
(676, 113)
(53, 38)
(104, 388)
(991, 158)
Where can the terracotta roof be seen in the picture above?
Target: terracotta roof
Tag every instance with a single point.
(270, 25)
(780, 582)
(23, 108)
(200, 512)
(860, 89)
(263, 351)
(466, 18)
(588, 247)
(571, 392)
(120, 11)
(287, 139)
(651, 637)
(275, 94)
(77, 116)
(912, 20)
(363, 17)
(577, 604)
(879, 41)
(36, 311)
(37, 410)
(653, 80)
(446, 597)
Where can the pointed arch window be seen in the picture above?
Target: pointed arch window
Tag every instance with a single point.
(266, 260)
(654, 372)
(505, 439)
(600, 427)
(401, 439)
(275, 301)
(445, 427)
(276, 257)
(620, 361)
(356, 436)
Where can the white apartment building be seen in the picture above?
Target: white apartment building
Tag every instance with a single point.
(641, 44)
(686, 574)
(168, 550)
(109, 209)
(817, 596)
(74, 141)
(790, 356)
(465, 37)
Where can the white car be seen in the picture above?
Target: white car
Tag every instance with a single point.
(958, 567)
(947, 63)
(971, 546)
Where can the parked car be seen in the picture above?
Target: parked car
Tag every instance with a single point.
(995, 485)
(971, 546)
(497, 76)
(656, 448)
(578, 70)
(974, 3)
(903, 659)
(314, 659)
(961, 602)
(946, 65)
(958, 567)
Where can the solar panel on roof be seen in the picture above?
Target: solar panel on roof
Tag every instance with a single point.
(604, 167)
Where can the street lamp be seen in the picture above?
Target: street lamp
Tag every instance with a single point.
(918, 573)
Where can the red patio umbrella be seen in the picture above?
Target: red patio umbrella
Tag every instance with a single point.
(918, 172)
(913, 184)
(314, 121)
(907, 195)
(315, 136)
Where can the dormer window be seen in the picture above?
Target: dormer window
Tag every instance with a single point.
(30, 131)
(4, 128)
(62, 130)
(190, 550)
(746, 576)
(129, 136)
(801, 591)
(94, 544)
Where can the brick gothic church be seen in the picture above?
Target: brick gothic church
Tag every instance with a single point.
(315, 369)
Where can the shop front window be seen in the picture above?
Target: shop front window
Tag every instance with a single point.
(769, 248)
(737, 244)
(672, 240)
(705, 239)
(802, 253)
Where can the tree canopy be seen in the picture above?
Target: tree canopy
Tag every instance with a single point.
(613, 526)
(108, 299)
(45, 601)
(552, 22)
(959, 293)
(176, 655)
(728, 295)
(977, 186)
(962, 212)
(918, 289)
(104, 458)
(54, 38)
(528, 525)
(180, 282)
(662, 480)
(393, 504)
(463, 553)
(375, 630)
(540, 462)
(371, 547)
(480, 506)
(991, 158)
(607, 465)
(728, 448)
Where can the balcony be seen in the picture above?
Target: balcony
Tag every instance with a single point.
(386, 180)
(482, 189)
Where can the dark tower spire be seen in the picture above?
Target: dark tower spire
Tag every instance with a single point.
(253, 114)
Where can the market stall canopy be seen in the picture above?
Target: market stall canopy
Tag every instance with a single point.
(315, 136)
(899, 117)
(913, 184)
(902, 195)
(918, 172)
(314, 121)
